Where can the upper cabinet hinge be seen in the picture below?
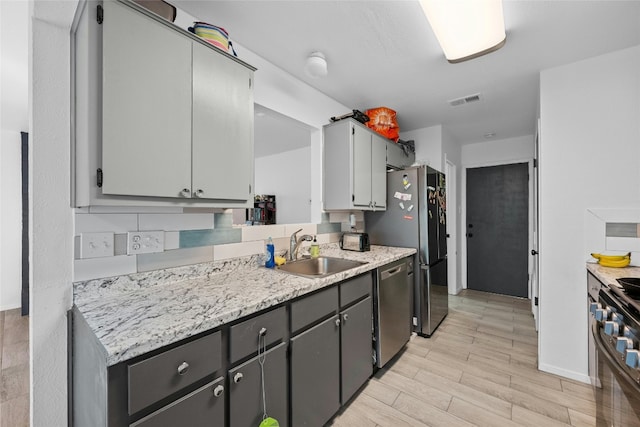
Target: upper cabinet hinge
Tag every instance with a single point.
(249, 83)
(353, 198)
(353, 130)
(535, 163)
(535, 301)
(99, 178)
(249, 188)
(100, 16)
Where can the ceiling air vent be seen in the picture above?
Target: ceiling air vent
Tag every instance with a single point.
(464, 100)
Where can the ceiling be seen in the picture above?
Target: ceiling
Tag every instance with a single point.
(383, 53)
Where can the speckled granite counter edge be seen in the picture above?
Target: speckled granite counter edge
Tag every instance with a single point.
(608, 275)
(134, 314)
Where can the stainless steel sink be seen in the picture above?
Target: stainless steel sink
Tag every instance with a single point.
(318, 267)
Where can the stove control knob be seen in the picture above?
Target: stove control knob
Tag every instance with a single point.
(623, 343)
(602, 314)
(593, 306)
(611, 328)
(633, 358)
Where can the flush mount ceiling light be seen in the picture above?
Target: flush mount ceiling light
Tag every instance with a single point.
(466, 29)
(316, 65)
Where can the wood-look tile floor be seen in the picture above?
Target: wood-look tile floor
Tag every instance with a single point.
(478, 369)
(14, 364)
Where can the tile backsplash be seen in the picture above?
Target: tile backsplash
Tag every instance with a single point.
(190, 237)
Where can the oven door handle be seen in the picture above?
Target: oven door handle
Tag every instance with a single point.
(612, 362)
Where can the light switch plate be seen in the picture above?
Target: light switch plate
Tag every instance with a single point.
(96, 245)
(145, 242)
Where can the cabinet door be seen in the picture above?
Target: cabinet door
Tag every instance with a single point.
(357, 349)
(202, 408)
(245, 397)
(361, 167)
(315, 374)
(146, 105)
(222, 126)
(378, 171)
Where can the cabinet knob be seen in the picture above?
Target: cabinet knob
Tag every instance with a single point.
(183, 368)
(185, 192)
(337, 322)
(198, 193)
(237, 377)
(218, 390)
(345, 317)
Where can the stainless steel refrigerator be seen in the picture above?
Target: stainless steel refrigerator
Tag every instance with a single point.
(416, 217)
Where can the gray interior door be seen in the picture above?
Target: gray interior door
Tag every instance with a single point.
(497, 229)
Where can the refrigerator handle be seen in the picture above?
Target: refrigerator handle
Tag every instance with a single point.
(424, 266)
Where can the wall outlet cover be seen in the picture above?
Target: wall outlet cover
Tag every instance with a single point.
(145, 242)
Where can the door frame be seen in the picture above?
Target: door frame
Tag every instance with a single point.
(463, 215)
(451, 175)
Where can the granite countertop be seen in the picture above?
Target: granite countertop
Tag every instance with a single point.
(608, 275)
(134, 314)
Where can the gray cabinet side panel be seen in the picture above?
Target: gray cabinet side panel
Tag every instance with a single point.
(245, 396)
(356, 338)
(89, 375)
(315, 374)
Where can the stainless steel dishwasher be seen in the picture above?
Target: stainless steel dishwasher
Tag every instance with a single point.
(392, 309)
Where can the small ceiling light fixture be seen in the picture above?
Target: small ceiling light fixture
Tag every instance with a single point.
(466, 29)
(489, 135)
(316, 65)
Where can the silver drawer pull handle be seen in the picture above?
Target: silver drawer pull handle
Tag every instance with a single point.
(183, 368)
(262, 332)
(345, 317)
(217, 392)
(237, 377)
(337, 322)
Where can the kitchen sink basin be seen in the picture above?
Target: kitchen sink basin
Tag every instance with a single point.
(318, 267)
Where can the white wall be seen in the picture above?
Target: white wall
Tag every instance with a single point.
(14, 96)
(589, 152)
(51, 218)
(428, 143)
(287, 170)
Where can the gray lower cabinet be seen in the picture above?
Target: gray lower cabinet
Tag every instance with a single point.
(202, 408)
(315, 374)
(355, 340)
(245, 389)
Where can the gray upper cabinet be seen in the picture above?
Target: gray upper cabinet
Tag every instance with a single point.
(397, 157)
(161, 117)
(146, 106)
(354, 167)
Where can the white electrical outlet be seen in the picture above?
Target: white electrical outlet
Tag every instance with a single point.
(145, 242)
(96, 245)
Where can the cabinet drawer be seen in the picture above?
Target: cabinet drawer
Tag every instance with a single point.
(157, 377)
(354, 289)
(312, 308)
(202, 408)
(244, 335)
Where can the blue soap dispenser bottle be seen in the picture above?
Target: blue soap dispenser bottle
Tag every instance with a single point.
(270, 262)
